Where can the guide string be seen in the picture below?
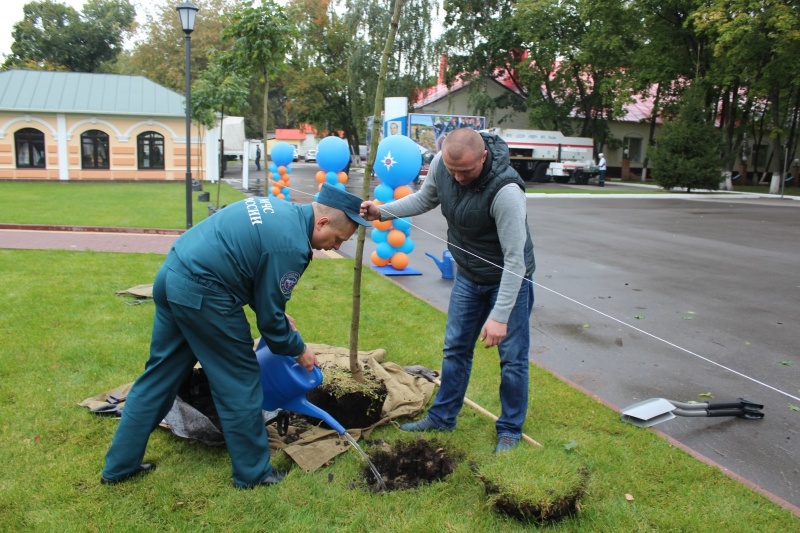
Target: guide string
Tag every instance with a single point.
(622, 322)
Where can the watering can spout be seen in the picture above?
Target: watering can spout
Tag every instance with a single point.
(285, 384)
(445, 264)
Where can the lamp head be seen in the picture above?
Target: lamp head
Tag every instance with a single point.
(187, 12)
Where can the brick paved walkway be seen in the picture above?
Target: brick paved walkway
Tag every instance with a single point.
(83, 239)
(77, 238)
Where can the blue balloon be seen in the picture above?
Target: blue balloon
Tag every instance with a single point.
(379, 235)
(397, 160)
(286, 191)
(332, 178)
(332, 154)
(273, 168)
(282, 154)
(384, 250)
(407, 247)
(403, 224)
(340, 185)
(384, 193)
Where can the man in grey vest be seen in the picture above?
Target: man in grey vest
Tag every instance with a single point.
(483, 199)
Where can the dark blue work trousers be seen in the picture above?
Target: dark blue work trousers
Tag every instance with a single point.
(196, 321)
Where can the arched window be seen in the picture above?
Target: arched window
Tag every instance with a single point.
(150, 150)
(30, 148)
(94, 149)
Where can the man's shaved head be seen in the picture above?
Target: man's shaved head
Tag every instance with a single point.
(463, 143)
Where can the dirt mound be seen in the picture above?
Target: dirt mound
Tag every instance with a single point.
(407, 465)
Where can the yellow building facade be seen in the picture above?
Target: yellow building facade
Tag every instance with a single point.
(82, 127)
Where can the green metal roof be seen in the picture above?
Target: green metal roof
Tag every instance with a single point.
(33, 91)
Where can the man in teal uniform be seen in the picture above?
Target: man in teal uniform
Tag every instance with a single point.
(250, 253)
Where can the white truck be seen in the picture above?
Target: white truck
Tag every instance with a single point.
(540, 155)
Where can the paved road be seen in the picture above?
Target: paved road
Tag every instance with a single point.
(640, 298)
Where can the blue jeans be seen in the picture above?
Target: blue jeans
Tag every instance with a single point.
(470, 305)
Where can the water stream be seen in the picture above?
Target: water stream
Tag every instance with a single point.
(364, 456)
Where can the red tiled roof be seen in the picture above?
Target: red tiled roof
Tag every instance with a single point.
(289, 135)
(639, 110)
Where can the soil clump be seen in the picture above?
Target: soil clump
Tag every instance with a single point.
(408, 465)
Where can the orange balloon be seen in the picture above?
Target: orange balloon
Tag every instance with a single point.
(281, 170)
(321, 176)
(396, 238)
(281, 196)
(269, 175)
(402, 191)
(342, 177)
(382, 224)
(399, 260)
(285, 181)
(377, 261)
(276, 191)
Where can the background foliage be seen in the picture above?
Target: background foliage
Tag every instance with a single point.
(571, 65)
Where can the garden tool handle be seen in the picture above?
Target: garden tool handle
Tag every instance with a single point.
(491, 415)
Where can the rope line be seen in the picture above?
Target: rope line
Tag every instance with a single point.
(631, 326)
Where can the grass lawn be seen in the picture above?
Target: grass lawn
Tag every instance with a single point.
(598, 190)
(67, 336)
(756, 189)
(134, 205)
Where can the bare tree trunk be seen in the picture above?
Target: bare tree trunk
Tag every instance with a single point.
(264, 127)
(355, 369)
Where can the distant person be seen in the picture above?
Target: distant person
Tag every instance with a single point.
(394, 128)
(451, 126)
(251, 253)
(483, 200)
(601, 165)
(258, 157)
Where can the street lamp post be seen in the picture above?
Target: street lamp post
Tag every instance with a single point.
(187, 12)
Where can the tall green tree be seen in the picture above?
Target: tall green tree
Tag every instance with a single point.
(756, 47)
(688, 152)
(671, 54)
(261, 36)
(219, 89)
(316, 81)
(335, 62)
(53, 36)
(158, 51)
(564, 60)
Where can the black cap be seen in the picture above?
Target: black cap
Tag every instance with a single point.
(339, 199)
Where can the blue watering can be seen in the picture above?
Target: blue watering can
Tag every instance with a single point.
(286, 383)
(445, 265)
